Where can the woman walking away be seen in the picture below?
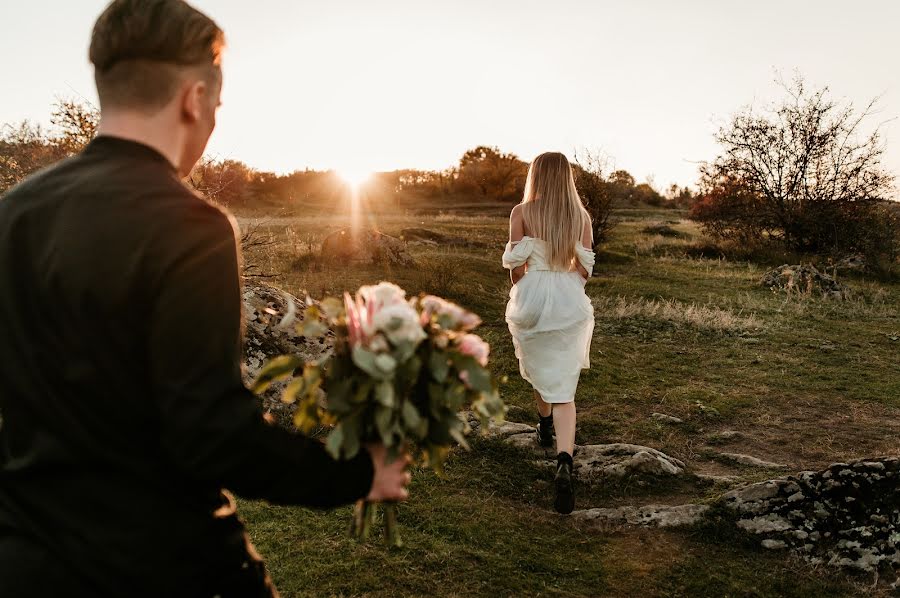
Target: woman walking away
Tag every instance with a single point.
(549, 315)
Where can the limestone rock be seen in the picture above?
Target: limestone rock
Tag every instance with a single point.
(648, 515)
(847, 515)
(365, 246)
(669, 419)
(507, 429)
(592, 461)
(750, 460)
(619, 460)
(270, 318)
(804, 280)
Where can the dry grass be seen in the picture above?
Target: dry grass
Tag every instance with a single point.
(705, 317)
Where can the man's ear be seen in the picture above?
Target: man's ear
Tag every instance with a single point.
(192, 98)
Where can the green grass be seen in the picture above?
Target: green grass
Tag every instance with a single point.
(805, 381)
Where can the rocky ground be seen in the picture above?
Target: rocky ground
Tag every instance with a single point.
(847, 515)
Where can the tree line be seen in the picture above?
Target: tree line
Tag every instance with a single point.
(484, 173)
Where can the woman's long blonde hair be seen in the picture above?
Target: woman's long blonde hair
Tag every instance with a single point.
(552, 209)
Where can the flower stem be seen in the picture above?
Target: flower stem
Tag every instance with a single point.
(391, 531)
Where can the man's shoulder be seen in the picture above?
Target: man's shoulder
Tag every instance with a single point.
(37, 180)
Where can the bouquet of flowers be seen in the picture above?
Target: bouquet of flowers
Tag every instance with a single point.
(400, 373)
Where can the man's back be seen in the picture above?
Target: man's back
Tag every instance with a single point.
(122, 403)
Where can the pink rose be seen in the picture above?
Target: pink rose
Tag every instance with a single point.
(474, 346)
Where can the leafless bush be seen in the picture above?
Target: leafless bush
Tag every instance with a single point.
(800, 173)
(593, 189)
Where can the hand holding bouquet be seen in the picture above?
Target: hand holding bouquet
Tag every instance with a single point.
(400, 373)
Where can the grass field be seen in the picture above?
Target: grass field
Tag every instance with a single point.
(804, 381)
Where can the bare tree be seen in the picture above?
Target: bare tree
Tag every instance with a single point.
(807, 165)
(76, 123)
(594, 191)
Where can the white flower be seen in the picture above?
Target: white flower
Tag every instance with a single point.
(379, 344)
(399, 322)
(382, 295)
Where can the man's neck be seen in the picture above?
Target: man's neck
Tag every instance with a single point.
(152, 132)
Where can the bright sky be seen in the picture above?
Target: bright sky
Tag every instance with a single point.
(363, 85)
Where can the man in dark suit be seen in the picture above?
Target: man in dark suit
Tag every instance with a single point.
(124, 413)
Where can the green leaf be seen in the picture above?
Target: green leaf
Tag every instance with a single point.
(404, 350)
(362, 392)
(413, 421)
(365, 360)
(436, 399)
(351, 436)
(384, 423)
(338, 396)
(334, 441)
(439, 365)
(384, 393)
(279, 368)
(478, 377)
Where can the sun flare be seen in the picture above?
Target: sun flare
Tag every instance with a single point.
(355, 177)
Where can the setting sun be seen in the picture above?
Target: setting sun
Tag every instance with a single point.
(355, 177)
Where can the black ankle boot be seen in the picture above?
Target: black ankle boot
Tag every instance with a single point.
(545, 430)
(565, 484)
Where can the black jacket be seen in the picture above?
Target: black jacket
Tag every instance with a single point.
(123, 410)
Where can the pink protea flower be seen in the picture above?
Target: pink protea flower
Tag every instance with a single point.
(354, 332)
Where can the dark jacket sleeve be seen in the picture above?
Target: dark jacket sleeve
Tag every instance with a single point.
(212, 426)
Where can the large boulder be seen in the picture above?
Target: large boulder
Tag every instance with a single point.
(805, 280)
(365, 246)
(270, 319)
(847, 515)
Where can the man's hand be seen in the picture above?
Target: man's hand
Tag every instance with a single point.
(390, 479)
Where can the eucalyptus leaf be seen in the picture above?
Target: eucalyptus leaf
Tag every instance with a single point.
(338, 397)
(335, 441)
(477, 377)
(365, 360)
(413, 420)
(384, 423)
(439, 365)
(351, 436)
(384, 393)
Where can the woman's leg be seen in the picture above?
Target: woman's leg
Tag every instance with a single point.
(544, 408)
(564, 423)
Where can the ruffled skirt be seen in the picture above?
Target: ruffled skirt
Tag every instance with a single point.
(551, 320)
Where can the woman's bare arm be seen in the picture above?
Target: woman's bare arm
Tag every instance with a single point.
(587, 241)
(516, 232)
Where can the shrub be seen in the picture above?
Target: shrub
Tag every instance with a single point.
(800, 174)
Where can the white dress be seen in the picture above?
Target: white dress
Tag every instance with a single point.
(551, 319)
